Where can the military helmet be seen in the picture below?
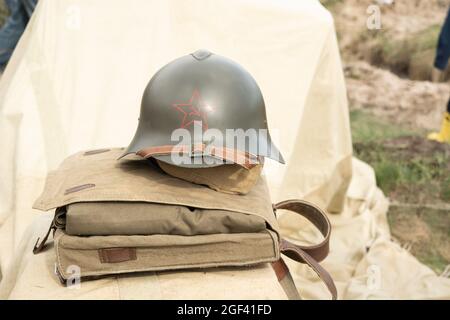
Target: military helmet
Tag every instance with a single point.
(213, 100)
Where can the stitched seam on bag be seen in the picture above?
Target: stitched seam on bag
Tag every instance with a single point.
(276, 249)
(58, 258)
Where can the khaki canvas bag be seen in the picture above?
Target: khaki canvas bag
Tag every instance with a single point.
(108, 211)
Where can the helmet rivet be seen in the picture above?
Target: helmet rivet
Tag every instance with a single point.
(201, 54)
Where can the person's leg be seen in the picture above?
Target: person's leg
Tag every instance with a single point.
(444, 134)
(440, 62)
(12, 29)
(29, 6)
(443, 47)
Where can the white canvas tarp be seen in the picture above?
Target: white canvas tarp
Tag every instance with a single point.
(75, 83)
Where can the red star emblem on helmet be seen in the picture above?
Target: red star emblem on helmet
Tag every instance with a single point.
(193, 110)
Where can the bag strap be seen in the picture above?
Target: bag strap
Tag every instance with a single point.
(285, 279)
(310, 255)
(58, 222)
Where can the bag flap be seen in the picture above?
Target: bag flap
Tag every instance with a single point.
(98, 176)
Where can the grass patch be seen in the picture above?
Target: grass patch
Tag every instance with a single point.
(421, 41)
(445, 190)
(427, 230)
(400, 176)
(404, 161)
(388, 175)
(412, 170)
(411, 56)
(329, 4)
(368, 128)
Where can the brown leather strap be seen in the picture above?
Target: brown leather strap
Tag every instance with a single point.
(168, 149)
(301, 256)
(314, 253)
(285, 279)
(239, 157)
(317, 217)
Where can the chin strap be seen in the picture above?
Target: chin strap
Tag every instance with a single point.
(242, 158)
(310, 255)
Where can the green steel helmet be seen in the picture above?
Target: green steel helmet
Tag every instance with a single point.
(203, 110)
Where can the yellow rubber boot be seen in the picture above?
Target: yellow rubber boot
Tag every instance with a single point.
(444, 134)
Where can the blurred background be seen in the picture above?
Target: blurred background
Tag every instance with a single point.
(393, 106)
(3, 11)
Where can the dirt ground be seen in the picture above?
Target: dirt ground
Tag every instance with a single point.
(404, 147)
(417, 104)
(403, 19)
(393, 105)
(423, 231)
(388, 71)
